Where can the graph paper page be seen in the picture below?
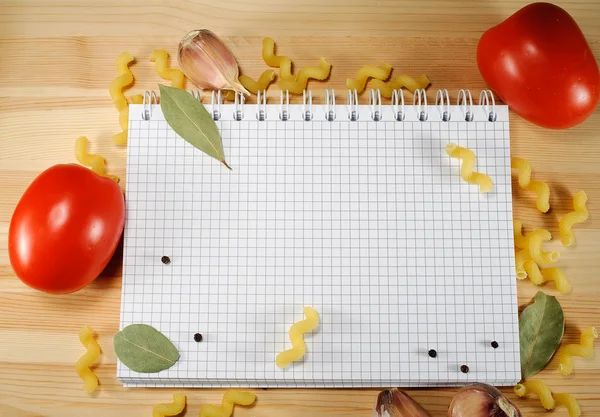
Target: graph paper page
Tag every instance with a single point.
(368, 222)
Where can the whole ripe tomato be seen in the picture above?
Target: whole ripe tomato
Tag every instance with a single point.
(541, 66)
(65, 228)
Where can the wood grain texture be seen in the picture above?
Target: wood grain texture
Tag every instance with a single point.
(58, 59)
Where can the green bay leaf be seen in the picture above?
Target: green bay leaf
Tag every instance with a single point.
(541, 328)
(188, 117)
(144, 349)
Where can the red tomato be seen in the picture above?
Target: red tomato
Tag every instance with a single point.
(541, 66)
(65, 228)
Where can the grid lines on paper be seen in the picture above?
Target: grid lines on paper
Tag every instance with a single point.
(368, 222)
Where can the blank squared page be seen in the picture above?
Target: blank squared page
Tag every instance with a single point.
(368, 222)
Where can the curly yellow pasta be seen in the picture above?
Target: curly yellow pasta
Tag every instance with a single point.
(401, 81)
(123, 80)
(533, 243)
(580, 215)
(253, 86)
(175, 75)
(284, 63)
(518, 234)
(466, 169)
(136, 99)
(82, 367)
(585, 349)
(299, 85)
(568, 401)
(296, 338)
(520, 258)
(526, 267)
(230, 398)
(170, 409)
(539, 276)
(549, 401)
(96, 162)
(121, 138)
(525, 182)
(381, 72)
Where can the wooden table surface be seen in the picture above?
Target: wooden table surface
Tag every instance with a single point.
(58, 59)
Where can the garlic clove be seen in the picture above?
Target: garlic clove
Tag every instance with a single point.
(208, 62)
(481, 400)
(395, 403)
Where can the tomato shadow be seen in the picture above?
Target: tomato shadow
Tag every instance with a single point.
(113, 271)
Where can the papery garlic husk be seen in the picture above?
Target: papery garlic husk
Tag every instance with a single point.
(208, 62)
(481, 400)
(396, 403)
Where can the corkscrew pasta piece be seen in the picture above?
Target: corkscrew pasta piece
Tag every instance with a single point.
(579, 215)
(253, 86)
(539, 276)
(525, 182)
(282, 62)
(96, 162)
(136, 99)
(520, 258)
(82, 367)
(518, 234)
(466, 170)
(123, 80)
(296, 338)
(585, 349)
(121, 138)
(569, 402)
(381, 72)
(401, 81)
(175, 75)
(299, 85)
(549, 401)
(533, 243)
(230, 398)
(170, 409)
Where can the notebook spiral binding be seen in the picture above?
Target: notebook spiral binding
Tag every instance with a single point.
(442, 100)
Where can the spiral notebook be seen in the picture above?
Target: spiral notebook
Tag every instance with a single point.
(353, 209)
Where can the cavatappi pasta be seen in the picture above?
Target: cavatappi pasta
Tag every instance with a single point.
(96, 162)
(299, 85)
(284, 63)
(296, 334)
(82, 367)
(381, 72)
(579, 215)
(525, 182)
(533, 243)
(466, 170)
(230, 398)
(123, 80)
(401, 81)
(584, 349)
(170, 409)
(548, 401)
(160, 57)
(520, 241)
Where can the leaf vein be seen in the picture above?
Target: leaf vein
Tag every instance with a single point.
(147, 350)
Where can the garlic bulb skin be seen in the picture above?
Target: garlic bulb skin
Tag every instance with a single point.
(395, 403)
(208, 62)
(481, 400)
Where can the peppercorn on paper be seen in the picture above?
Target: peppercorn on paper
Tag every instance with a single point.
(368, 222)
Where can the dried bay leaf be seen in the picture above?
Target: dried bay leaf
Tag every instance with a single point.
(541, 328)
(189, 118)
(144, 349)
